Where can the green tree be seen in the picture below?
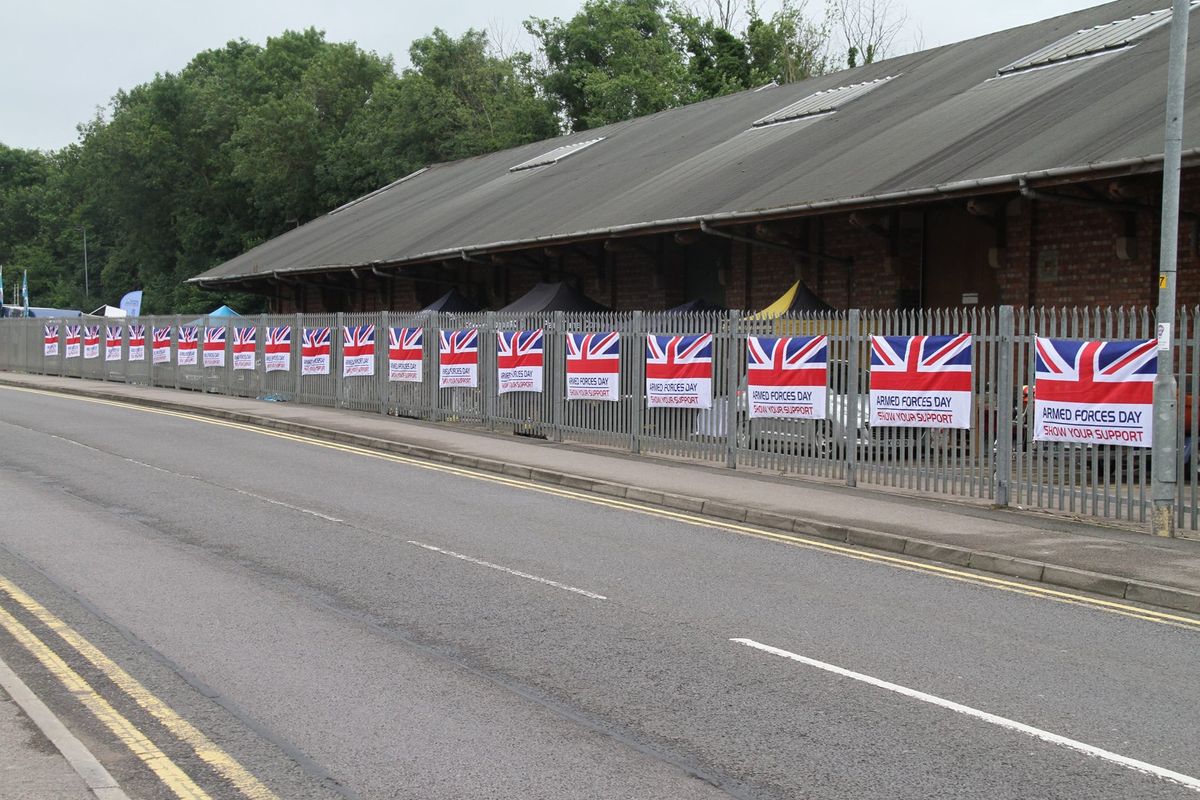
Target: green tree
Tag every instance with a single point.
(614, 60)
(787, 47)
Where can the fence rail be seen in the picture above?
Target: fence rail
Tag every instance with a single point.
(995, 459)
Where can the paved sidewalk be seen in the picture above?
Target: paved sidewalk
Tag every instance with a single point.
(31, 767)
(1037, 547)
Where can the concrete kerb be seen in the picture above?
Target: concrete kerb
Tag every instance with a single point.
(982, 561)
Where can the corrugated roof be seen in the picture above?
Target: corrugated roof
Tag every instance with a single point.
(823, 102)
(944, 121)
(1110, 36)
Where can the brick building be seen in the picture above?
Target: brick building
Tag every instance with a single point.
(1021, 167)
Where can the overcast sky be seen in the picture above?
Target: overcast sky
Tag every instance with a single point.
(60, 59)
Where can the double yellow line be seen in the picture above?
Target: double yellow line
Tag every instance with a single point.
(167, 771)
(899, 562)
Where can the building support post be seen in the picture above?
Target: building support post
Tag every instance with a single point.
(1166, 400)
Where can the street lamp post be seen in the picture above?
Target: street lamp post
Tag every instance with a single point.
(1166, 400)
(86, 291)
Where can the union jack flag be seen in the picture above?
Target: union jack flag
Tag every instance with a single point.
(243, 340)
(921, 363)
(358, 341)
(91, 335)
(162, 338)
(673, 357)
(187, 337)
(1096, 372)
(137, 335)
(279, 340)
(51, 334)
(406, 344)
(593, 353)
(458, 347)
(73, 334)
(790, 361)
(214, 339)
(112, 335)
(316, 342)
(519, 349)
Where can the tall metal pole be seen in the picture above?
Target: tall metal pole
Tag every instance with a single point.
(86, 290)
(1166, 411)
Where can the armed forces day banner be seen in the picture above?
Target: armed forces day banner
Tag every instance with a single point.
(277, 349)
(787, 377)
(458, 358)
(243, 348)
(314, 352)
(358, 350)
(519, 361)
(406, 354)
(137, 342)
(679, 371)
(594, 366)
(1095, 392)
(921, 381)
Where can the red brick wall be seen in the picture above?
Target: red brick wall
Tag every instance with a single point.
(1054, 254)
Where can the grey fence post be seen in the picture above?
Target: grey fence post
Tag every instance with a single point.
(125, 349)
(336, 358)
(638, 381)
(732, 376)
(556, 372)
(260, 359)
(850, 424)
(488, 378)
(229, 356)
(383, 338)
(1005, 396)
(297, 344)
(178, 329)
(431, 337)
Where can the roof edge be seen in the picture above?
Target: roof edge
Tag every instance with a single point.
(992, 183)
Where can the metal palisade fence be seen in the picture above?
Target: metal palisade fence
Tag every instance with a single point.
(994, 459)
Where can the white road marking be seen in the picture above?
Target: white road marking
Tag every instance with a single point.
(1003, 722)
(517, 573)
(166, 471)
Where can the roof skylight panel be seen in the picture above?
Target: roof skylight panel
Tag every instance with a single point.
(823, 102)
(555, 155)
(1091, 41)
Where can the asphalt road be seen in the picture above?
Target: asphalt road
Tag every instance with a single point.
(343, 625)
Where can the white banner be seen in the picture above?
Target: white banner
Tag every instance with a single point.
(279, 361)
(519, 379)
(404, 370)
(314, 365)
(461, 375)
(908, 409)
(679, 392)
(788, 402)
(50, 340)
(594, 386)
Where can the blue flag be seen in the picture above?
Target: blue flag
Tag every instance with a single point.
(131, 304)
(25, 290)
